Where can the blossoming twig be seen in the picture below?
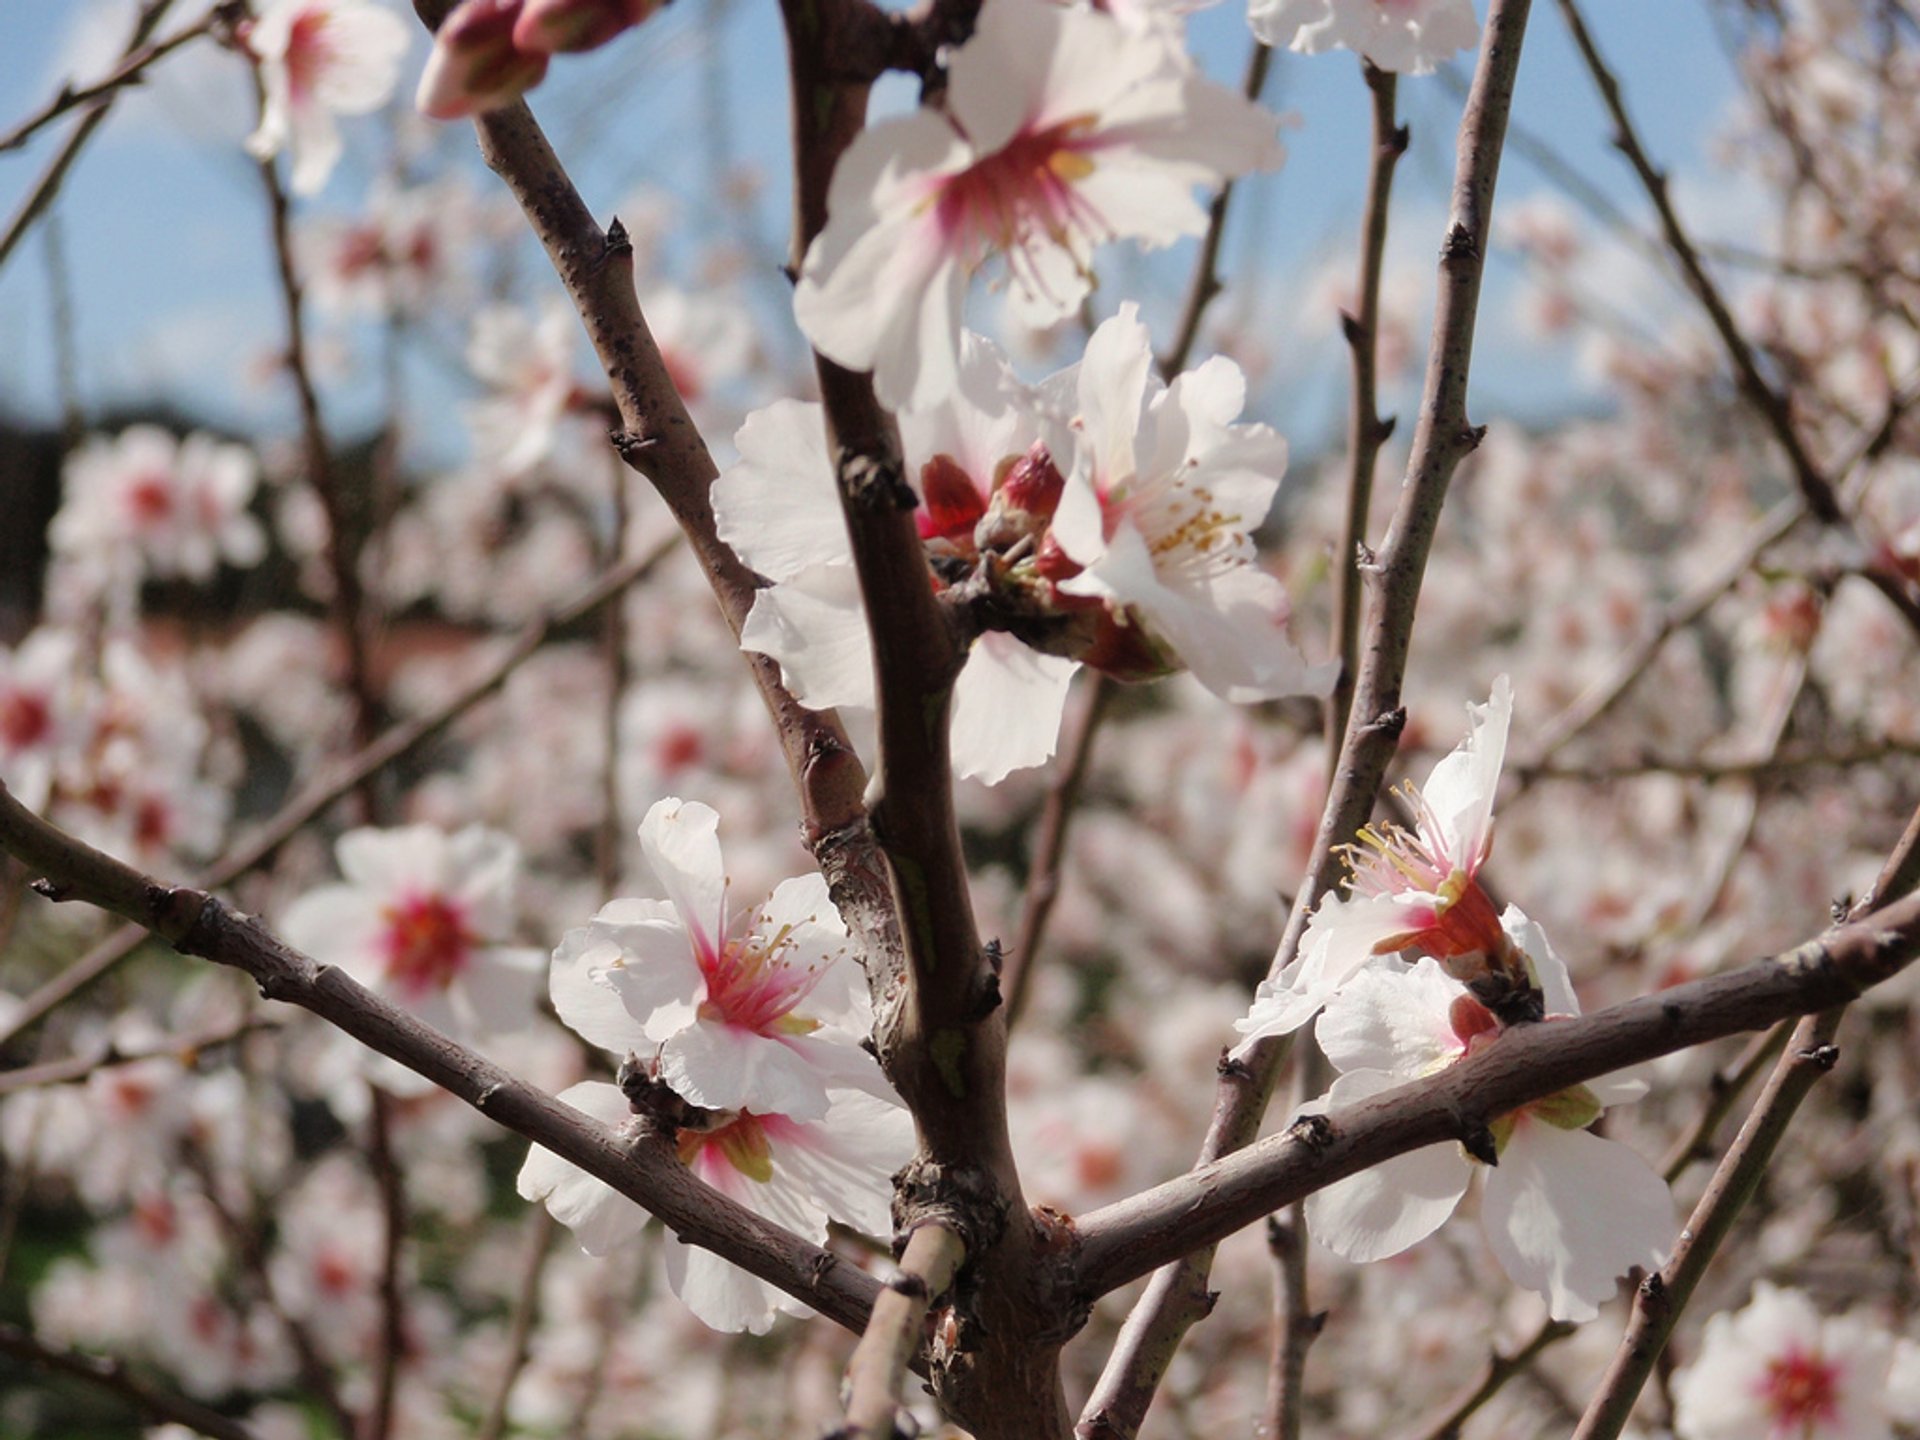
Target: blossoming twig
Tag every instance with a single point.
(541, 1229)
(893, 1334)
(1176, 1298)
(200, 924)
(112, 1376)
(395, 745)
(1126, 1239)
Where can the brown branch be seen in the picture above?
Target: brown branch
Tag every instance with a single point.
(344, 526)
(114, 1377)
(378, 1421)
(1442, 439)
(1049, 846)
(1295, 1326)
(1500, 1369)
(1782, 765)
(70, 1068)
(893, 1335)
(1810, 1054)
(293, 817)
(1126, 1239)
(1366, 430)
(48, 185)
(130, 71)
(526, 1308)
(199, 924)
(1661, 1298)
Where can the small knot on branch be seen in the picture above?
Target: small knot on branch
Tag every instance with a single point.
(1476, 1138)
(618, 244)
(1822, 1057)
(876, 482)
(48, 888)
(1389, 723)
(1315, 1132)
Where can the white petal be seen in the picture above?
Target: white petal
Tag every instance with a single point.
(1568, 1213)
(681, 840)
(1398, 1203)
(778, 507)
(816, 627)
(1007, 706)
(1460, 790)
(600, 1217)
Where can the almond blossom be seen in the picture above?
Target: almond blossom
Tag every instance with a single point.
(778, 507)
(425, 919)
(318, 59)
(1564, 1211)
(743, 1009)
(797, 1173)
(1410, 890)
(1157, 516)
(1779, 1370)
(1060, 130)
(1404, 35)
(147, 504)
(40, 712)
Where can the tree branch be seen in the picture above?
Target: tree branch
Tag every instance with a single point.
(135, 59)
(199, 924)
(1442, 439)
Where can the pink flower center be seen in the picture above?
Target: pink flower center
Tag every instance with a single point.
(1801, 1390)
(1020, 196)
(1460, 918)
(150, 498)
(25, 719)
(678, 748)
(749, 985)
(427, 943)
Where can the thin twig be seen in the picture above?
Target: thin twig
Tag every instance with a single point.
(1049, 845)
(130, 71)
(1367, 432)
(1817, 488)
(1500, 1369)
(349, 600)
(385, 1164)
(1783, 765)
(70, 1068)
(541, 1229)
(55, 174)
(293, 817)
(1295, 1326)
(113, 1376)
(878, 1367)
(1175, 1299)
(1662, 1297)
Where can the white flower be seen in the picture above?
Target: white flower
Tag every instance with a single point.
(1416, 892)
(1565, 1212)
(1158, 514)
(145, 504)
(757, 1010)
(425, 919)
(40, 712)
(526, 361)
(1409, 35)
(778, 507)
(1061, 129)
(319, 58)
(1778, 1371)
(797, 1173)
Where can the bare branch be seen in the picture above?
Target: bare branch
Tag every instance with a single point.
(199, 924)
(132, 70)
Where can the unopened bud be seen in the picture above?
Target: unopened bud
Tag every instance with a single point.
(475, 65)
(553, 26)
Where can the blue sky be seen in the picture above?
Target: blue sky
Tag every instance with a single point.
(161, 225)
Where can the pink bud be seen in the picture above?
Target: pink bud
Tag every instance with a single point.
(952, 505)
(475, 65)
(1033, 482)
(552, 26)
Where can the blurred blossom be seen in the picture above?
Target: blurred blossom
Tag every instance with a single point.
(319, 59)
